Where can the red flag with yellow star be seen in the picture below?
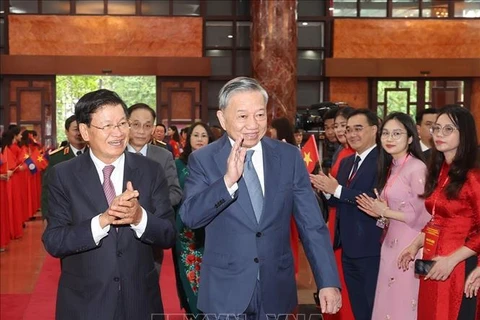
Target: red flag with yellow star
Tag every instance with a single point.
(310, 153)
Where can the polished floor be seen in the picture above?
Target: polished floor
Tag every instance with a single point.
(21, 263)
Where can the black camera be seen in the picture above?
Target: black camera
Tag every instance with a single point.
(312, 118)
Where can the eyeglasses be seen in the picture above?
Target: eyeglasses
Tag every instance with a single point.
(355, 129)
(446, 130)
(138, 126)
(395, 135)
(122, 125)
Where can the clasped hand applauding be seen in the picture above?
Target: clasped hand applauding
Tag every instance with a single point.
(373, 207)
(324, 183)
(124, 209)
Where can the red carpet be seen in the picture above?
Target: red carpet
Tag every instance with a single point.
(40, 305)
(12, 306)
(42, 302)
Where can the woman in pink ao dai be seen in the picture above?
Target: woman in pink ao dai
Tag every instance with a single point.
(401, 212)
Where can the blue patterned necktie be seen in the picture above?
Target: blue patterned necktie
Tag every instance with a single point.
(253, 185)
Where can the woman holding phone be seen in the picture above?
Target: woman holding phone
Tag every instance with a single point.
(451, 239)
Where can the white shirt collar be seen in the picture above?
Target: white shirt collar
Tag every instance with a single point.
(365, 153)
(75, 150)
(423, 146)
(257, 148)
(99, 164)
(143, 151)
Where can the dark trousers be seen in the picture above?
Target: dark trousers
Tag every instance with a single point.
(361, 279)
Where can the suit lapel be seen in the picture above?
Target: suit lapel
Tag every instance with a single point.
(88, 177)
(344, 172)
(271, 169)
(132, 174)
(362, 167)
(243, 198)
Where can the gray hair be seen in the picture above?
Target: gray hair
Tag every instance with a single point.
(240, 84)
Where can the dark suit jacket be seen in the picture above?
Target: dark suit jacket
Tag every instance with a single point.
(94, 276)
(60, 155)
(356, 231)
(237, 248)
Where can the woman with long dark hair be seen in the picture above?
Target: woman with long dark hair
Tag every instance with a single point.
(451, 238)
(174, 141)
(190, 243)
(400, 207)
(281, 129)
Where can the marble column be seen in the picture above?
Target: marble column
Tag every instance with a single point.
(274, 53)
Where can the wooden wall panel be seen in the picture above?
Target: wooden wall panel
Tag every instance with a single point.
(30, 103)
(13, 89)
(353, 91)
(105, 36)
(181, 104)
(181, 100)
(406, 38)
(475, 103)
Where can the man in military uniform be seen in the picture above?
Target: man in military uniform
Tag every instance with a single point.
(158, 137)
(76, 146)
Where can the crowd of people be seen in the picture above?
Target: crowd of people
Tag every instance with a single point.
(389, 220)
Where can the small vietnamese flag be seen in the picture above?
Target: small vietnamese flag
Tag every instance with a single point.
(310, 153)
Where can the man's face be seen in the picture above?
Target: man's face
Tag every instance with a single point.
(107, 144)
(245, 115)
(159, 133)
(141, 128)
(360, 135)
(74, 137)
(298, 138)
(330, 130)
(424, 128)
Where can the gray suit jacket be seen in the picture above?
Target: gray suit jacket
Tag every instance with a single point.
(165, 158)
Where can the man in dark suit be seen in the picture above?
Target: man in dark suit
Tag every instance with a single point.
(356, 232)
(243, 188)
(142, 118)
(76, 146)
(425, 119)
(107, 208)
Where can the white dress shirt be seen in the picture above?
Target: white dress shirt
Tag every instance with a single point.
(423, 146)
(75, 150)
(363, 155)
(257, 160)
(143, 151)
(117, 180)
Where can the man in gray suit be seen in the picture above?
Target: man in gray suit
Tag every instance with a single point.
(142, 119)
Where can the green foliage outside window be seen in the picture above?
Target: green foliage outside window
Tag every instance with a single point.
(132, 90)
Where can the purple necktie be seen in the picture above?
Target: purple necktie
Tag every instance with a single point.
(108, 188)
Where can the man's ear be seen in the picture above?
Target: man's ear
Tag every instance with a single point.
(84, 131)
(221, 118)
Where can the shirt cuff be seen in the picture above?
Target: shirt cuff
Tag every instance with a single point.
(97, 232)
(232, 189)
(338, 192)
(140, 228)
